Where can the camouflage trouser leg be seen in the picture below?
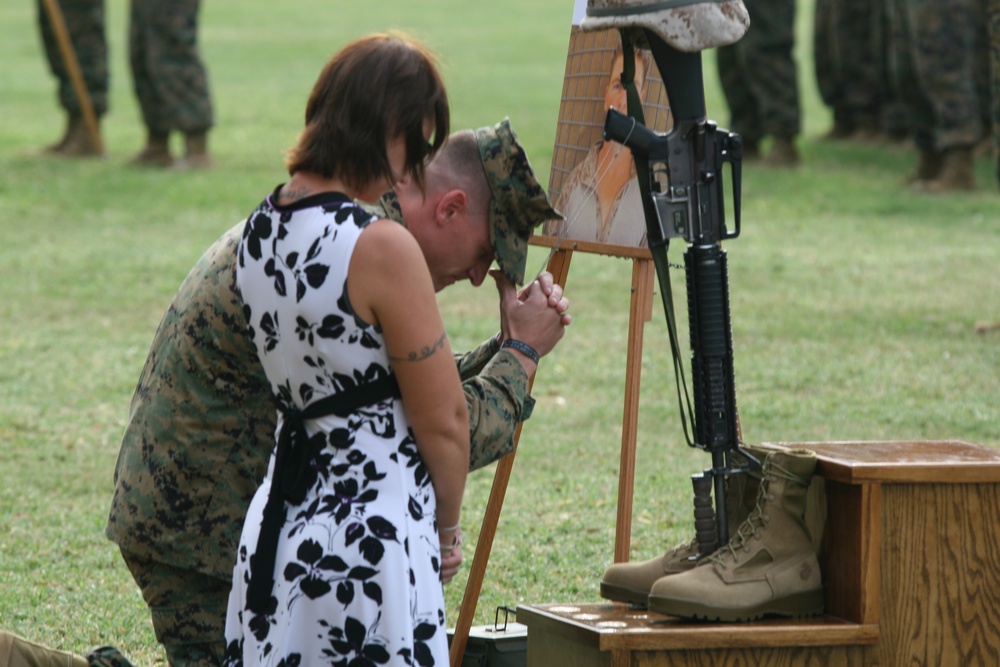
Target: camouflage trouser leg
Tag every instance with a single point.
(762, 67)
(993, 23)
(188, 611)
(849, 69)
(85, 23)
(744, 115)
(940, 45)
(167, 71)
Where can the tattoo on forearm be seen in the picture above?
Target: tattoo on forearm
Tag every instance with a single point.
(425, 352)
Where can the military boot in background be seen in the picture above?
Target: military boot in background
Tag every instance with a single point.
(56, 148)
(929, 165)
(195, 152)
(769, 565)
(156, 152)
(783, 154)
(954, 175)
(631, 582)
(75, 141)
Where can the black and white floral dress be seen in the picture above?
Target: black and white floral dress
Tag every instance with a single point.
(357, 565)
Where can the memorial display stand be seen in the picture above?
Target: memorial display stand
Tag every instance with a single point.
(911, 569)
(910, 531)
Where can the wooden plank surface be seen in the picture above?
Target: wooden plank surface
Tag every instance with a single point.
(911, 461)
(610, 626)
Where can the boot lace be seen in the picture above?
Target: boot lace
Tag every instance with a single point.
(758, 518)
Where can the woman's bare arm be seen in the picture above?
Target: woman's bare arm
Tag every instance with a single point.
(389, 285)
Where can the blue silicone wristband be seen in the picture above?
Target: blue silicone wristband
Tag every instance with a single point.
(521, 347)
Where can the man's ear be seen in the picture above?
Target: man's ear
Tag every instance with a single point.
(452, 204)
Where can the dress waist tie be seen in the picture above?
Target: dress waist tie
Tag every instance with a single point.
(293, 469)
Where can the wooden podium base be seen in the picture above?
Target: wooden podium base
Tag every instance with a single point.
(615, 635)
(911, 564)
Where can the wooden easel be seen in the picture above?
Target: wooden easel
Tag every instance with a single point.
(640, 312)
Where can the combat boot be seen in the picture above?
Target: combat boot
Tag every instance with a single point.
(955, 174)
(928, 166)
(783, 153)
(17, 651)
(195, 152)
(156, 152)
(75, 142)
(631, 582)
(768, 567)
(56, 148)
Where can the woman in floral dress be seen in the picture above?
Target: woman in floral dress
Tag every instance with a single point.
(339, 561)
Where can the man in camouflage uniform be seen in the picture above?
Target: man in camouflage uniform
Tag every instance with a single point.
(202, 421)
(170, 81)
(939, 64)
(85, 23)
(850, 66)
(760, 82)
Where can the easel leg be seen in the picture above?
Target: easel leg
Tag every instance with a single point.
(640, 312)
(559, 268)
(61, 32)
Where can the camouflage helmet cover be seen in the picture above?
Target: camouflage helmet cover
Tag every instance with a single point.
(686, 25)
(519, 203)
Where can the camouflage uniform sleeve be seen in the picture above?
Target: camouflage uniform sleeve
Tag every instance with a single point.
(497, 399)
(473, 362)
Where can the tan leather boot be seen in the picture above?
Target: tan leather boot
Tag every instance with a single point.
(56, 148)
(769, 565)
(955, 174)
(631, 582)
(75, 142)
(156, 152)
(195, 152)
(17, 651)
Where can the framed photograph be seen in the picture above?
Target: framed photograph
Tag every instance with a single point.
(593, 182)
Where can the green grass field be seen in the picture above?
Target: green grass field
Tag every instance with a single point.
(853, 300)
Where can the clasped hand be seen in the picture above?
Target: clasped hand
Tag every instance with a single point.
(536, 315)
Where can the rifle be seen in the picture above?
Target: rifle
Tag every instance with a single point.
(680, 174)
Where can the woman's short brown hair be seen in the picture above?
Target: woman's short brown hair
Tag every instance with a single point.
(379, 86)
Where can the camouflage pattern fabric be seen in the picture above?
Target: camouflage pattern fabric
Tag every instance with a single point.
(85, 23)
(188, 610)
(167, 71)
(758, 74)
(686, 25)
(939, 67)
(107, 656)
(519, 203)
(198, 440)
(848, 60)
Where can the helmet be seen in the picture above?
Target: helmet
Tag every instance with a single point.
(686, 25)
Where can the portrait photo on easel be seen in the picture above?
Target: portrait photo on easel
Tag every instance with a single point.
(593, 182)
